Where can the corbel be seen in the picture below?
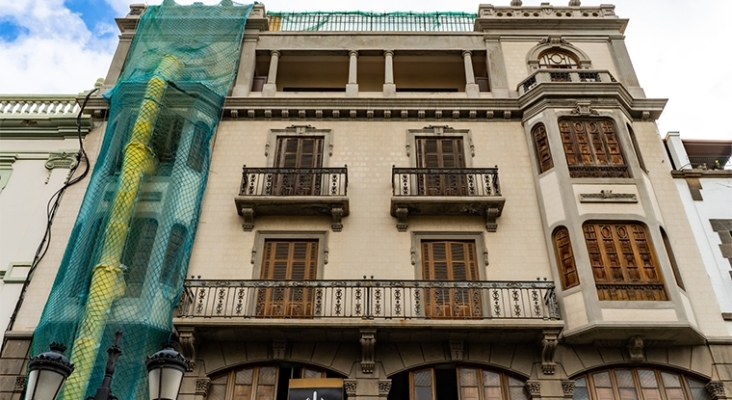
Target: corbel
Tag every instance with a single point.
(549, 344)
(533, 389)
(279, 346)
(716, 390)
(491, 213)
(337, 215)
(635, 349)
(401, 214)
(248, 214)
(368, 344)
(187, 337)
(456, 349)
(568, 389)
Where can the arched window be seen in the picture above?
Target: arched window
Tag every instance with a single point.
(541, 142)
(558, 59)
(638, 384)
(447, 382)
(623, 261)
(267, 382)
(565, 258)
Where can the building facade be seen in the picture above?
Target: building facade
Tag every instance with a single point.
(431, 206)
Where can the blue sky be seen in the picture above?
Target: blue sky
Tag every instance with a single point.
(678, 47)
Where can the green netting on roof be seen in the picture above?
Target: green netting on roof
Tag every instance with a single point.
(128, 254)
(371, 21)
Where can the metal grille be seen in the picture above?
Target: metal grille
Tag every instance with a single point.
(370, 21)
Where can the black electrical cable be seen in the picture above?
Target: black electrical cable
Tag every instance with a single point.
(51, 208)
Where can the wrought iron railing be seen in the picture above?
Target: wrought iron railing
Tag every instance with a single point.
(371, 21)
(445, 182)
(294, 182)
(598, 171)
(368, 299)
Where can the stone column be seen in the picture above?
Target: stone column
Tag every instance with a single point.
(270, 88)
(247, 65)
(389, 86)
(471, 88)
(626, 72)
(497, 76)
(352, 86)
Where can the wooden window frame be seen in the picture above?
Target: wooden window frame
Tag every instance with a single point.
(253, 395)
(623, 261)
(505, 386)
(440, 132)
(594, 149)
(542, 148)
(270, 147)
(440, 184)
(592, 388)
(566, 260)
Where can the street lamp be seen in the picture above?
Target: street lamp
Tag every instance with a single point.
(48, 371)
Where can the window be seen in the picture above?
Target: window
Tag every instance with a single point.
(298, 153)
(441, 153)
(541, 142)
(623, 262)
(638, 384)
(446, 382)
(592, 149)
(558, 59)
(171, 262)
(672, 259)
(136, 255)
(268, 382)
(288, 260)
(199, 147)
(445, 261)
(565, 258)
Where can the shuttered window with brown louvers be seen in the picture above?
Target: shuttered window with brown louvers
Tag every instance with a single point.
(441, 153)
(291, 260)
(623, 262)
(542, 148)
(592, 149)
(565, 258)
(445, 261)
(298, 153)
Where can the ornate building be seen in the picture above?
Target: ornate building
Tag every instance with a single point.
(431, 207)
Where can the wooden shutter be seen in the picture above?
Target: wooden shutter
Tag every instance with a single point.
(298, 153)
(565, 259)
(592, 143)
(623, 262)
(441, 153)
(542, 148)
(288, 261)
(450, 261)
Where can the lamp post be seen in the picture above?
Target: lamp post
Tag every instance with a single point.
(49, 370)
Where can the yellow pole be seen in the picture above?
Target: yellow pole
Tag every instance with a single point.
(107, 277)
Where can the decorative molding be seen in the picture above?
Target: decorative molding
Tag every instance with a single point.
(19, 384)
(533, 389)
(401, 213)
(368, 344)
(187, 337)
(279, 346)
(568, 389)
(549, 344)
(350, 385)
(61, 160)
(491, 213)
(413, 255)
(635, 349)
(485, 257)
(384, 387)
(202, 386)
(584, 108)
(716, 390)
(456, 349)
(247, 214)
(607, 196)
(337, 215)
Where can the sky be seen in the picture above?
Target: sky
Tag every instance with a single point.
(678, 48)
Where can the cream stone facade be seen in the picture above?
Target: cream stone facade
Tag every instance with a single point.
(471, 213)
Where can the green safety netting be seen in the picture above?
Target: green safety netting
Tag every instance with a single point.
(128, 253)
(371, 21)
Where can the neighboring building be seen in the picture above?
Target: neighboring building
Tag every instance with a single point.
(39, 150)
(703, 174)
(432, 207)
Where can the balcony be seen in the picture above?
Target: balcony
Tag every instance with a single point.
(564, 76)
(446, 191)
(389, 301)
(293, 191)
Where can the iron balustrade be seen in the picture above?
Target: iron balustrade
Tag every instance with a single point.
(445, 182)
(368, 299)
(294, 182)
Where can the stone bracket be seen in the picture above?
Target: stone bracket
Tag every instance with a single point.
(549, 344)
(188, 338)
(337, 214)
(248, 214)
(491, 213)
(368, 345)
(402, 224)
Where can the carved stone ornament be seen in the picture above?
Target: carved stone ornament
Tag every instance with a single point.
(555, 40)
(607, 196)
(491, 213)
(568, 389)
(384, 387)
(575, 3)
(350, 385)
(368, 344)
(278, 349)
(19, 383)
(635, 349)
(584, 108)
(516, 3)
(533, 389)
(202, 386)
(402, 213)
(456, 350)
(716, 390)
(247, 214)
(548, 347)
(187, 340)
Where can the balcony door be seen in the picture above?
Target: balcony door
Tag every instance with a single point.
(294, 156)
(445, 261)
(441, 153)
(290, 261)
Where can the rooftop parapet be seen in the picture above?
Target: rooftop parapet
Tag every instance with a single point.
(546, 15)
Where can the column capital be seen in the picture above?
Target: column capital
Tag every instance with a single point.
(352, 53)
(275, 53)
(388, 53)
(467, 53)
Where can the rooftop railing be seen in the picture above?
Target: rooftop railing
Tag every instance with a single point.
(371, 21)
(368, 299)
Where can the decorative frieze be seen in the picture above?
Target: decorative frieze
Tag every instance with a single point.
(607, 196)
